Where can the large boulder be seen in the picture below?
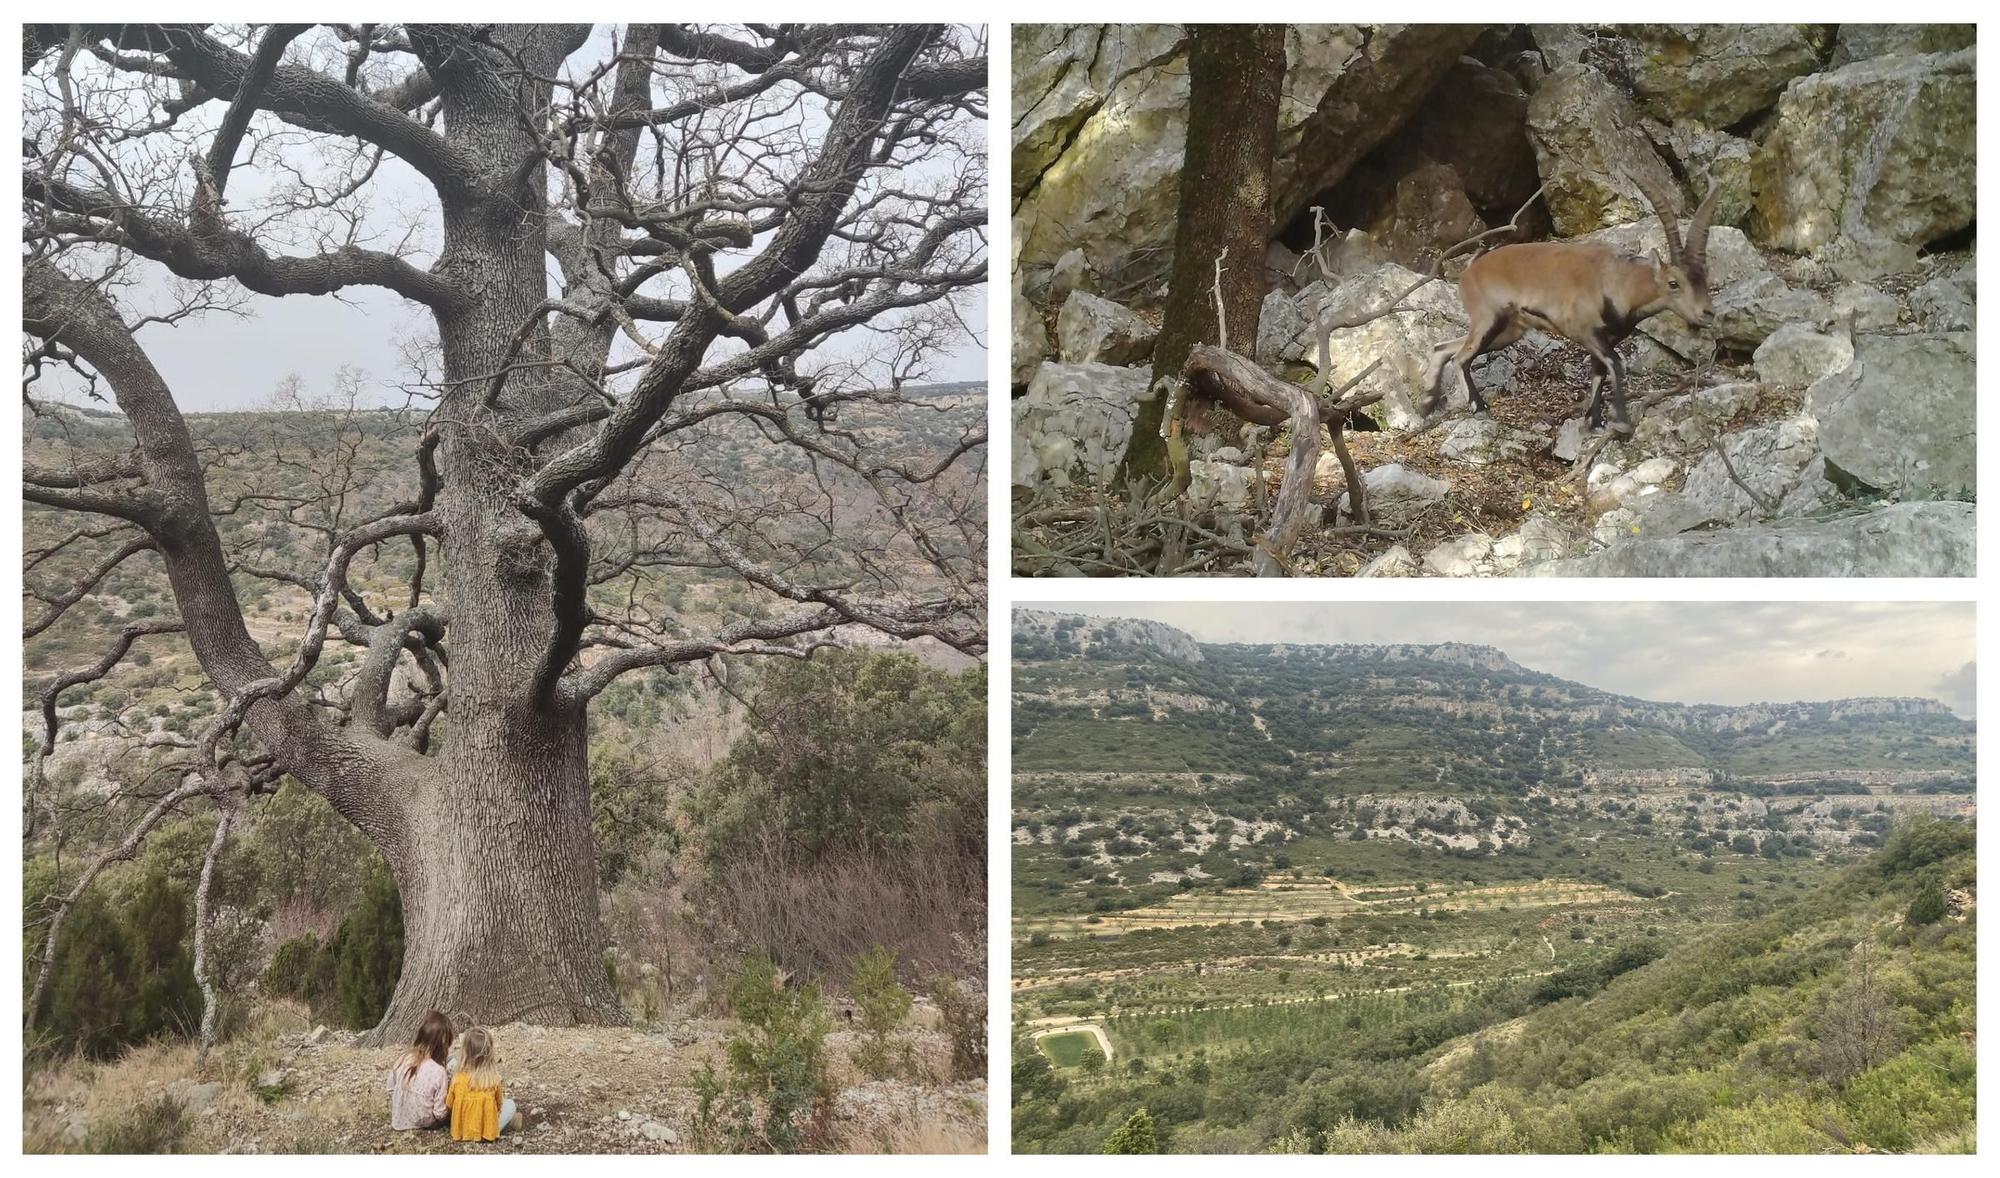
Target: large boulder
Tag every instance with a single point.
(1357, 90)
(1945, 303)
(1858, 42)
(1883, 149)
(1932, 539)
(1074, 422)
(1090, 330)
(1900, 418)
(1720, 74)
(1588, 143)
(1402, 341)
(1101, 130)
(1063, 75)
(1394, 490)
(1031, 338)
(1771, 472)
(1796, 355)
(1747, 312)
(1685, 423)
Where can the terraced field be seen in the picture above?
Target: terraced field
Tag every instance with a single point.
(1302, 900)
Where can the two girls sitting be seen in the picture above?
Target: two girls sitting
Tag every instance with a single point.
(424, 1092)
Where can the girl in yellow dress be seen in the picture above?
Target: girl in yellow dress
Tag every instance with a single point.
(480, 1108)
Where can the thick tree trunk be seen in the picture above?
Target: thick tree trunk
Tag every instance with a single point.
(499, 883)
(1236, 74)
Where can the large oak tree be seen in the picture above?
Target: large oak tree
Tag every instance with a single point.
(628, 236)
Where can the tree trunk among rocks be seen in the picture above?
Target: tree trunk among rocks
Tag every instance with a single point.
(1235, 75)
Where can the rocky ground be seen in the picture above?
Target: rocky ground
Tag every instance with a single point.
(1823, 426)
(284, 1088)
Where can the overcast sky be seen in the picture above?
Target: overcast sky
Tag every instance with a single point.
(1721, 652)
(222, 361)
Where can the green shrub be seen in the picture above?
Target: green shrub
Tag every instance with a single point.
(1136, 1135)
(290, 973)
(367, 953)
(963, 1016)
(160, 920)
(1927, 907)
(884, 1005)
(90, 987)
(778, 1064)
(1925, 1092)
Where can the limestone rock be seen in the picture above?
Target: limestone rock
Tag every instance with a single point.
(1346, 93)
(1069, 274)
(1858, 42)
(1100, 132)
(1866, 308)
(1881, 149)
(1031, 340)
(1900, 419)
(1777, 461)
(1945, 303)
(1718, 73)
(1706, 154)
(1928, 539)
(1482, 441)
(1747, 312)
(1219, 483)
(1397, 562)
(1074, 421)
(1394, 490)
(1402, 342)
(1795, 356)
(1587, 142)
(1090, 330)
(1683, 423)
(1460, 557)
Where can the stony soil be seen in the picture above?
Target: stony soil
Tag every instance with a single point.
(583, 1090)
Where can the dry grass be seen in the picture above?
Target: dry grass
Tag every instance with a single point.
(572, 1082)
(815, 915)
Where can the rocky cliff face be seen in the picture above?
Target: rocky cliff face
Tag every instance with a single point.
(1820, 427)
(1086, 633)
(1390, 668)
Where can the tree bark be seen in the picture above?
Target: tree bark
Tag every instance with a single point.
(498, 879)
(1236, 75)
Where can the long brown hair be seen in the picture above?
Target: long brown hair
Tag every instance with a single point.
(433, 1042)
(480, 1067)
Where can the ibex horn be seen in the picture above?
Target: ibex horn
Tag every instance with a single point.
(1697, 242)
(1667, 213)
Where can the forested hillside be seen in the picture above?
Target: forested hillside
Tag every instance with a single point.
(1388, 898)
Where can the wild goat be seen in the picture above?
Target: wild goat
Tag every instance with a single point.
(1586, 292)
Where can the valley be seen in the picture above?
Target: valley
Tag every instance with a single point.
(1325, 898)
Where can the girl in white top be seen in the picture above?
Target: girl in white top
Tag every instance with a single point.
(417, 1083)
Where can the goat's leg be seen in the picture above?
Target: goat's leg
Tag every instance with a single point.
(1605, 354)
(1434, 376)
(1592, 405)
(1623, 420)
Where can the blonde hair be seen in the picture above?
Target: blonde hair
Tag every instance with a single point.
(481, 1067)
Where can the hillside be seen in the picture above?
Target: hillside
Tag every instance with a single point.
(1374, 898)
